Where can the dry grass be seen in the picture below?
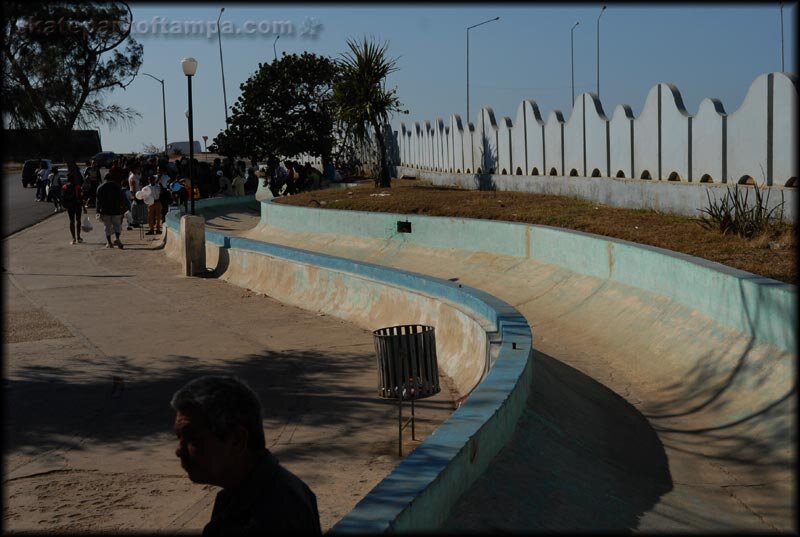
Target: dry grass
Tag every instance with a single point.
(677, 233)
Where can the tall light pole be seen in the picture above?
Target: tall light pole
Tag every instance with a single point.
(163, 107)
(782, 68)
(189, 66)
(572, 59)
(598, 50)
(275, 50)
(468, 29)
(224, 95)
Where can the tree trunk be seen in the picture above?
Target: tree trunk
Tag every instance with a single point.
(384, 180)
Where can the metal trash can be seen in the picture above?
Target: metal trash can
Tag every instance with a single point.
(407, 368)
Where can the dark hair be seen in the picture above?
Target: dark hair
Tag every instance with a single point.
(224, 402)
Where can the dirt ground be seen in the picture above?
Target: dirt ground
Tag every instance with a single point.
(97, 340)
(771, 255)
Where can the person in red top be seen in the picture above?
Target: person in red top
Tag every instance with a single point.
(72, 201)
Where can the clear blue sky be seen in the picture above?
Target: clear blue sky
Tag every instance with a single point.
(706, 51)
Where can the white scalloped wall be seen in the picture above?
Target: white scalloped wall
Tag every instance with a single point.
(666, 142)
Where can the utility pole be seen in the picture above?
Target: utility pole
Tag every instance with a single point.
(572, 58)
(468, 29)
(222, 68)
(598, 50)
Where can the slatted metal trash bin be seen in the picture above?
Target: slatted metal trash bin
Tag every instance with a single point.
(407, 368)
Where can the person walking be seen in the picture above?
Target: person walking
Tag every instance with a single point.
(110, 205)
(55, 184)
(72, 199)
(154, 211)
(91, 184)
(218, 422)
(41, 182)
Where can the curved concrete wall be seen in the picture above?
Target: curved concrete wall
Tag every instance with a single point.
(665, 140)
(755, 306)
(420, 491)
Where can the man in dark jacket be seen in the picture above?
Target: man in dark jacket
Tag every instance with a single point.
(110, 205)
(221, 442)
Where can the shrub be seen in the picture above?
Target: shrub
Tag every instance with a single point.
(733, 214)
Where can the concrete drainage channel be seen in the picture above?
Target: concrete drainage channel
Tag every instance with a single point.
(486, 348)
(707, 324)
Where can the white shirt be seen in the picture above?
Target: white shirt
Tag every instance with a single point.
(164, 180)
(133, 182)
(156, 188)
(238, 186)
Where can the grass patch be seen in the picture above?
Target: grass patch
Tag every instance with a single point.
(771, 254)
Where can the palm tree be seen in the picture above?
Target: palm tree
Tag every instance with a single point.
(361, 97)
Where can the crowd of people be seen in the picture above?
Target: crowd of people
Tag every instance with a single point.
(116, 192)
(293, 178)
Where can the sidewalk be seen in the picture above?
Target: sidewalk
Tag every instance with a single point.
(96, 342)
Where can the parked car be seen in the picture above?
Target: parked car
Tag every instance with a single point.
(105, 159)
(30, 168)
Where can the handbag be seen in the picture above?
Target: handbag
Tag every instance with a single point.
(87, 224)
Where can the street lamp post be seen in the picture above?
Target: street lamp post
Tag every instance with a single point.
(189, 66)
(163, 107)
(598, 50)
(782, 66)
(224, 95)
(468, 29)
(275, 50)
(572, 59)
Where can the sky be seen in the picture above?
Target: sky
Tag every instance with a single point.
(713, 50)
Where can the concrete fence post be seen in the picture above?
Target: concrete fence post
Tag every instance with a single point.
(193, 239)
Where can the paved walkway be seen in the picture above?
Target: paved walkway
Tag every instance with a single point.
(97, 340)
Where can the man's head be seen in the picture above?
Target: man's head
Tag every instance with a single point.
(218, 423)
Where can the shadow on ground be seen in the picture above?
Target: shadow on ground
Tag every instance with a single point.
(582, 458)
(331, 394)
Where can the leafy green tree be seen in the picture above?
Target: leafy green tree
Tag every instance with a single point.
(60, 60)
(362, 100)
(284, 109)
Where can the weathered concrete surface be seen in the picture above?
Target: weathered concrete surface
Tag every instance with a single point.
(100, 339)
(648, 416)
(193, 244)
